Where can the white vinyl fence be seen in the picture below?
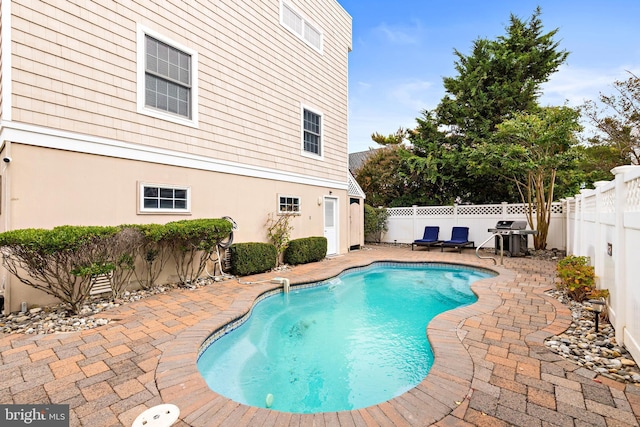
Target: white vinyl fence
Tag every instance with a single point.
(407, 224)
(602, 224)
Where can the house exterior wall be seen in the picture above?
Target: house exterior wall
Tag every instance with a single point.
(86, 189)
(81, 144)
(74, 69)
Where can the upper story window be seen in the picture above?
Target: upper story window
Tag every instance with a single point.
(167, 79)
(164, 199)
(301, 27)
(312, 132)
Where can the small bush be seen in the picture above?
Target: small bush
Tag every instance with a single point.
(577, 277)
(305, 250)
(375, 223)
(252, 258)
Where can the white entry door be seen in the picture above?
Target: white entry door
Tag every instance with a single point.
(331, 224)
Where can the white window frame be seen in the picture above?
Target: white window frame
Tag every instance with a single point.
(192, 121)
(306, 24)
(143, 210)
(320, 155)
(293, 212)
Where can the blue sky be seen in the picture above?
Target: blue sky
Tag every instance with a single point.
(403, 49)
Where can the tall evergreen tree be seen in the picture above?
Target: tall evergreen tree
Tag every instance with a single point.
(500, 78)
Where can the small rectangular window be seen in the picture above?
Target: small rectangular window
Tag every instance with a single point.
(164, 199)
(288, 204)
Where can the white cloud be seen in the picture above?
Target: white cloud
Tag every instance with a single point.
(364, 86)
(413, 94)
(577, 85)
(402, 35)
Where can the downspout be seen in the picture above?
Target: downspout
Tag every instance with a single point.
(5, 150)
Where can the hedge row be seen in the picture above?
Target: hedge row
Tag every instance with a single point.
(252, 258)
(62, 261)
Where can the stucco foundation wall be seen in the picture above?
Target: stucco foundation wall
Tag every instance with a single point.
(45, 188)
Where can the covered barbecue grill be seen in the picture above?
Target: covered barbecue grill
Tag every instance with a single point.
(514, 237)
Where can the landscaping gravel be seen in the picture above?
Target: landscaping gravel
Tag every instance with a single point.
(597, 351)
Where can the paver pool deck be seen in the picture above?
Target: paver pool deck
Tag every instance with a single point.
(491, 367)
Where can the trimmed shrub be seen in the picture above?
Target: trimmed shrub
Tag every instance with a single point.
(154, 252)
(192, 241)
(252, 258)
(305, 250)
(61, 261)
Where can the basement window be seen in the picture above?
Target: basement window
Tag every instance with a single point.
(288, 205)
(164, 199)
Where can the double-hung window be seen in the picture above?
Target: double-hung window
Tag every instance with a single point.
(164, 199)
(167, 80)
(312, 132)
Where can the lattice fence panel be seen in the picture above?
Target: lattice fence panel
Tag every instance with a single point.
(633, 195)
(480, 210)
(589, 204)
(609, 201)
(400, 212)
(434, 210)
(518, 209)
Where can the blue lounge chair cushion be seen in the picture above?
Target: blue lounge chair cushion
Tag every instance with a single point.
(430, 234)
(429, 237)
(459, 238)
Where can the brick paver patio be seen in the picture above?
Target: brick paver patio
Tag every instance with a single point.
(491, 366)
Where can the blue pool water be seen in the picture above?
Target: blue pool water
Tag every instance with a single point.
(355, 341)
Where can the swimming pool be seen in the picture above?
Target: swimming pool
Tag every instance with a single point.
(346, 343)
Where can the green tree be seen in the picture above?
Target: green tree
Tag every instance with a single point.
(387, 180)
(499, 79)
(617, 120)
(528, 150)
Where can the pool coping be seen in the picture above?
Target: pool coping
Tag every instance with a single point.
(442, 391)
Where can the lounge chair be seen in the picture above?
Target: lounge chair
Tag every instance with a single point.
(429, 238)
(459, 239)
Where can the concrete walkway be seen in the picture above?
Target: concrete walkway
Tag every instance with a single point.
(491, 367)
